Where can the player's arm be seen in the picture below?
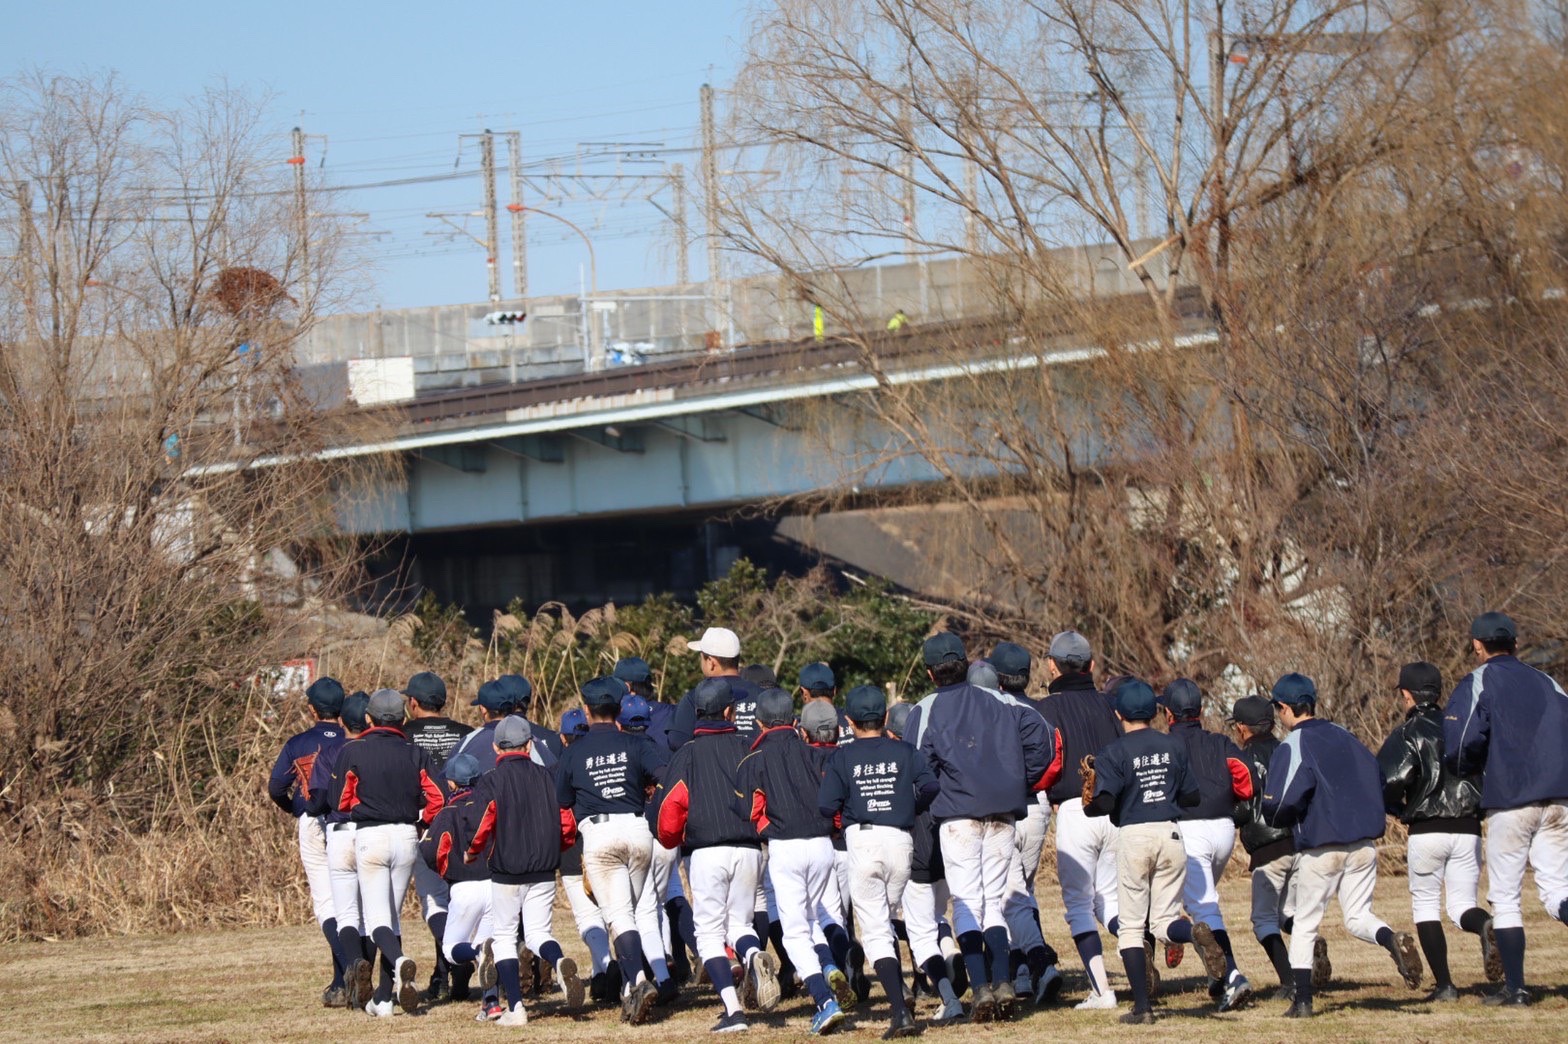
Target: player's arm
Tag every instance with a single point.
(431, 793)
(280, 783)
(1396, 762)
(319, 802)
(682, 723)
(1108, 783)
(926, 786)
(1187, 793)
(674, 803)
(437, 842)
(1041, 750)
(1241, 788)
(1467, 727)
(1292, 780)
(482, 798)
(834, 791)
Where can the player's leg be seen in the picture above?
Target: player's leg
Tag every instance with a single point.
(318, 878)
(1461, 890)
(589, 921)
(1077, 871)
(962, 855)
(608, 852)
(404, 854)
(537, 903)
(506, 906)
(709, 877)
(879, 860)
(434, 903)
(1426, 862)
(373, 865)
(1549, 859)
(999, 847)
(468, 902)
(1268, 887)
(799, 870)
(1357, 882)
(649, 916)
(1509, 833)
(343, 876)
(1136, 856)
(1316, 882)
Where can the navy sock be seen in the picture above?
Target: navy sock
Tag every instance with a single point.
(972, 946)
(891, 976)
(509, 978)
(1015, 960)
(329, 928)
(759, 924)
(776, 940)
(1279, 956)
(745, 946)
(384, 986)
(1222, 937)
(628, 949)
(825, 955)
(817, 986)
(1114, 926)
(838, 942)
(684, 925)
(996, 950)
(1303, 985)
(437, 926)
(390, 946)
(367, 948)
(1562, 911)
(1179, 931)
(1474, 920)
(719, 974)
(943, 931)
(465, 953)
(349, 944)
(1137, 977)
(1434, 944)
(551, 953)
(1088, 944)
(1287, 925)
(936, 970)
(1510, 947)
(1038, 960)
(899, 931)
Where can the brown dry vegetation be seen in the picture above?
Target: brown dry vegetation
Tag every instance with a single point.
(265, 984)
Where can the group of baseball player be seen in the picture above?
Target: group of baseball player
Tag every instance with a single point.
(773, 841)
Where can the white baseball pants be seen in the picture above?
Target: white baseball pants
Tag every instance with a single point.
(977, 854)
(1537, 834)
(1086, 867)
(833, 909)
(1208, 844)
(723, 896)
(1273, 895)
(1436, 863)
(468, 916)
(385, 856)
(313, 857)
(431, 888)
(534, 902)
(587, 917)
(879, 861)
(344, 875)
(1346, 871)
(800, 870)
(617, 856)
(925, 909)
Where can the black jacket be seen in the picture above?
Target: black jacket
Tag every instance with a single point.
(1223, 778)
(699, 801)
(683, 723)
(1264, 843)
(444, 843)
(518, 811)
(1083, 717)
(1417, 787)
(383, 778)
(778, 781)
(438, 737)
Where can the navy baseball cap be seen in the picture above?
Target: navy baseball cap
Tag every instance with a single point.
(1295, 690)
(865, 703)
(326, 695)
(604, 692)
(1254, 711)
(461, 769)
(426, 689)
(1009, 658)
(897, 717)
(385, 707)
(632, 669)
(493, 697)
(1421, 677)
(1135, 700)
(518, 688)
(1182, 698)
(775, 707)
(353, 712)
(817, 677)
(574, 722)
(760, 675)
(1070, 645)
(943, 647)
(820, 720)
(711, 696)
(513, 732)
(634, 713)
(1490, 627)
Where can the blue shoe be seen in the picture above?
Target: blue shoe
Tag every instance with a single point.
(838, 982)
(827, 1017)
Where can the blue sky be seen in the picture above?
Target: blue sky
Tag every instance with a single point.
(392, 85)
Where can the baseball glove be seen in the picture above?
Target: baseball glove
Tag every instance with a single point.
(1086, 768)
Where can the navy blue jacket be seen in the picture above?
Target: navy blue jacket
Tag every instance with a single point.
(699, 801)
(321, 787)
(607, 772)
(480, 745)
(444, 843)
(1325, 786)
(1217, 764)
(289, 784)
(521, 821)
(778, 781)
(547, 739)
(1509, 721)
(1087, 724)
(990, 751)
(684, 721)
(1143, 777)
(879, 780)
(383, 778)
(660, 717)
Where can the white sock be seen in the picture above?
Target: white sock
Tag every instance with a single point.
(1097, 977)
(731, 1000)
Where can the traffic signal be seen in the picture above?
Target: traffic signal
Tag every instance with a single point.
(505, 318)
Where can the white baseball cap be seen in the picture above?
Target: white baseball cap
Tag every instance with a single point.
(717, 641)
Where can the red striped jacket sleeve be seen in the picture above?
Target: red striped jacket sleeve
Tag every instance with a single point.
(1240, 779)
(1053, 771)
(483, 831)
(672, 816)
(433, 795)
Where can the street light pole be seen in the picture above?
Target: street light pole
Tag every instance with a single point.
(595, 349)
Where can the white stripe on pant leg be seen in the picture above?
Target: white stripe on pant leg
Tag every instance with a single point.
(799, 870)
(313, 857)
(880, 858)
(506, 905)
(1549, 857)
(537, 904)
(1317, 881)
(343, 875)
(467, 915)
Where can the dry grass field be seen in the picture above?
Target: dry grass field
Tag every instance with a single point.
(265, 985)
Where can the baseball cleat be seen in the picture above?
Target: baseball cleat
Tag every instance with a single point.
(1174, 952)
(1006, 1000)
(1097, 1002)
(838, 982)
(1442, 995)
(517, 1015)
(1299, 1009)
(984, 1007)
(951, 1014)
(490, 1009)
(487, 966)
(1209, 951)
(827, 1018)
(525, 970)
(1491, 957)
(732, 1023)
(1407, 959)
(666, 992)
(334, 997)
(1023, 985)
(1237, 992)
(380, 1009)
(1507, 998)
(1136, 1017)
(571, 985)
(404, 972)
(1322, 967)
(1049, 988)
(357, 982)
(765, 984)
(439, 990)
(902, 1026)
(640, 1002)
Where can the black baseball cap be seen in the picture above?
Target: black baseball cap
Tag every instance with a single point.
(326, 695)
(711, 696)
(493, 696)
(518, 688)
(426, 689)
(1009, 658)
(760, 675)
(1254, 711)
(1135, 700)
(943, 647)
(632, 669)
(604, 692)
(1491, 627)
(1182, 698)
(865, 703)
(897, 717)
(817, 677)
(354, 713)
(1295, 690)
(1421, 678)
(775, 707)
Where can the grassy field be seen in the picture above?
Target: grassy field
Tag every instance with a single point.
(265, 985)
